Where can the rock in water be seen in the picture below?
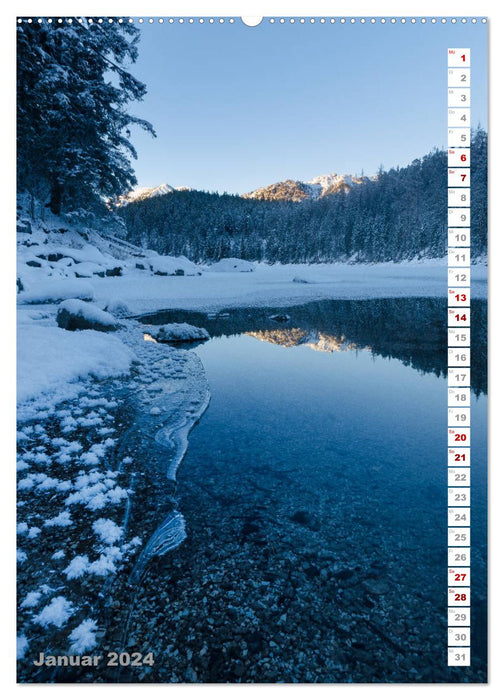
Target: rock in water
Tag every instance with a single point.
(180, 333)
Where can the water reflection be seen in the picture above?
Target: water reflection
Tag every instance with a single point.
(314, 493)
(413, 330)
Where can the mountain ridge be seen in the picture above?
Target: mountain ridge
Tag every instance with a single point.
(140, 193)
(287, 190)
(299, 190)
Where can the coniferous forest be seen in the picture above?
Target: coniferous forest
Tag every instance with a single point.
(398, 215)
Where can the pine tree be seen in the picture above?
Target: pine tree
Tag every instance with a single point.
(72, 125)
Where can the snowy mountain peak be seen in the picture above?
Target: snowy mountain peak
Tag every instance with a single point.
(296, 190)
(140, 193)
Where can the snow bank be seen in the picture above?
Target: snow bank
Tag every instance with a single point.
(274, 285)
(170, 265)
(179, 333)
(232, 265)
(87, 269)
(52, 360)
(53, 291)
(88, 253)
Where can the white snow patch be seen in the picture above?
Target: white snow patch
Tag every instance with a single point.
(107, 530)
(64, 518)
(21, 646)
(117, 307)
(102, 566)
(77, 567)
(52, 360)
(171, 265)
(232, 265)
(83, 637)
(87, 269)
(56, 613)
(53, 291)
(88, 253)
(87, 311)
(180, 332)
(31, 599)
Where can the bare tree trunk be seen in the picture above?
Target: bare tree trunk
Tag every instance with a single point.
(55, 201)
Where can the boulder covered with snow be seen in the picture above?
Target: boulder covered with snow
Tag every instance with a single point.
(118, 307)
(232, 265)
(77, 315)
(52, 291)
(88, 253)
(172, 265)
(88, 269)
(179, 333)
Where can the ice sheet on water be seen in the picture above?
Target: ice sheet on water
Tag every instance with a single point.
(173, 383)
(174, 393)
(168, 536)
(181, 409)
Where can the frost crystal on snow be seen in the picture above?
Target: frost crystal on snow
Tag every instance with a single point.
(77, 567)
(31, 599)
(102, 566)
(107, 530)
(62, 519)
(56, 613)
(83, 637)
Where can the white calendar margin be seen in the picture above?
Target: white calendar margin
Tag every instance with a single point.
(320, 8)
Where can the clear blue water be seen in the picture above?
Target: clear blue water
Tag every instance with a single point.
(338, 459)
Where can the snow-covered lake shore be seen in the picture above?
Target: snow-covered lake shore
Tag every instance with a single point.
(104, 417)
(273, 284)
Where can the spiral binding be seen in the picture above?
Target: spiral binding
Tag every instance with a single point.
(265, 20)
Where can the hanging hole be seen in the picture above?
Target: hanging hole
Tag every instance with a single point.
(251, 21)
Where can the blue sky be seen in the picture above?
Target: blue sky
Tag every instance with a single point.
(237, 107)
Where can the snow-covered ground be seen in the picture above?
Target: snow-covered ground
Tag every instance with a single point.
(74, 484)
(274, 285)
(51, 266)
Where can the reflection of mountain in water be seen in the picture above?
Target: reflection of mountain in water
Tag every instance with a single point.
(292, 337)
(412, 330)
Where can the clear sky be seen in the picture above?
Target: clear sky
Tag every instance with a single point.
(236, 108)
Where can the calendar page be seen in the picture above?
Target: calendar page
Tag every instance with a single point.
(252, 349)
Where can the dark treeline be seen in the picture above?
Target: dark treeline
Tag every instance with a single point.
(400, 214)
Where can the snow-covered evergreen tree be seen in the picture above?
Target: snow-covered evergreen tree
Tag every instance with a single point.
(72, 124)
